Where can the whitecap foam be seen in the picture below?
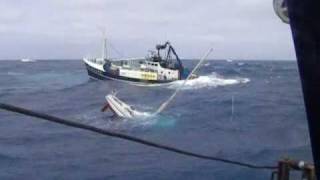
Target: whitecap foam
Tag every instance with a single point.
(141, 115)
(212, 80)
(207, 64)
(240, 63)
(150, 119)
(28, 60)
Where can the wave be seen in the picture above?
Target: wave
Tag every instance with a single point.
(213, 80)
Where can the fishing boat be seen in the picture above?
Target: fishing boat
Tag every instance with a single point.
(160, 66)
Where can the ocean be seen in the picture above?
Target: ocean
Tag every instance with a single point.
(249, 111)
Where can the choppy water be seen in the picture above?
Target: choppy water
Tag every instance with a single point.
(266, 122)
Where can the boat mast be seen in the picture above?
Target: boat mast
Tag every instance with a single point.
(104, 48)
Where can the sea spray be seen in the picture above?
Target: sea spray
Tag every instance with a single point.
(213, 80)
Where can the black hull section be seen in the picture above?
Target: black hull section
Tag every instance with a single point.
(96, 74)
(101, 75)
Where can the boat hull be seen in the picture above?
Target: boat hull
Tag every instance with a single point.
(120, 108)
(105, 75)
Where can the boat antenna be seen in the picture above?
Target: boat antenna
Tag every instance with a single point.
(165, 104)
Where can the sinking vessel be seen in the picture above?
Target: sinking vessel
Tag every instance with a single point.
(160, 66)
(118, 107)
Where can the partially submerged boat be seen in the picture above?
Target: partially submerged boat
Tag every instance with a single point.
(118, 107)
(160, 66)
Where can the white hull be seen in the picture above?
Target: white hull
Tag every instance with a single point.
(119, 107)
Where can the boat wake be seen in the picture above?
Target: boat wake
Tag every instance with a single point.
(212, 80)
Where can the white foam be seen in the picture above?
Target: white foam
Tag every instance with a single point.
(150, 119)
(28, 60)
(141, 115)
(212, 80)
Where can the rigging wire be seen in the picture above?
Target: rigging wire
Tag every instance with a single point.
(74, 124)
(120, 54)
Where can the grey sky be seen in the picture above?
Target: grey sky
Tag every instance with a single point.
(236, 29)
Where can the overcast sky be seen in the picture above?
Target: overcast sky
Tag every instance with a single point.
(236, 29)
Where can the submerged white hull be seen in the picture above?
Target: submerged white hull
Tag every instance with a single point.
(119, 107)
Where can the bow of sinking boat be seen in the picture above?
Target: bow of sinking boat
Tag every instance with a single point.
(118, 107)
(122, 109)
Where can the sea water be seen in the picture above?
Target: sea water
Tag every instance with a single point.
(250, 111)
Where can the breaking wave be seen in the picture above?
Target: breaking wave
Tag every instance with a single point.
(213, 80)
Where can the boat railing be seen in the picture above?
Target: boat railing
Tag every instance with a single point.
(96, 60)
(129, 59)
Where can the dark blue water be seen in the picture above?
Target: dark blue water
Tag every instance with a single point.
(266, 122)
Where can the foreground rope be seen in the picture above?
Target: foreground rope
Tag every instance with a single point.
(126, 137)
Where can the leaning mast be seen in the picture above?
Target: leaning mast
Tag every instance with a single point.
(104, 48)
